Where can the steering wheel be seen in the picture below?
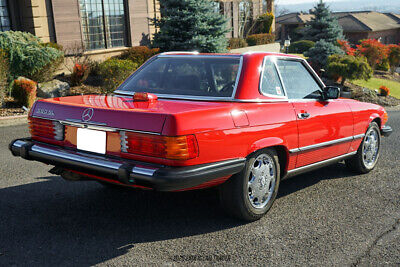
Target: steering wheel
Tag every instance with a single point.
(227, 87)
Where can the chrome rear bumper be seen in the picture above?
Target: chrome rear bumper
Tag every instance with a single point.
(159, 177)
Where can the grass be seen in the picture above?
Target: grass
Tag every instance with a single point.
(375, 83)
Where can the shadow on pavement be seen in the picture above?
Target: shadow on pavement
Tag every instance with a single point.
(53, 222)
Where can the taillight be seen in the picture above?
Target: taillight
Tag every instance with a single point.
(168, 147)
(46, 129)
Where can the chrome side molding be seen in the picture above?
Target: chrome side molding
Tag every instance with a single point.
(329, 143)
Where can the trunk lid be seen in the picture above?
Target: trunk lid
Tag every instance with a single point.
(115, 111)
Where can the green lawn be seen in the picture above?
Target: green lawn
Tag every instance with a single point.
(375, 83)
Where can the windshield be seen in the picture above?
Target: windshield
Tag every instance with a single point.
(186, 76)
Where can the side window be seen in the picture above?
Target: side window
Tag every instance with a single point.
(270, 81)
(298, 81)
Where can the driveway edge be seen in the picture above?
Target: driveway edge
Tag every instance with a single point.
(13, 120)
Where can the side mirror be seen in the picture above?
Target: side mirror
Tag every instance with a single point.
(331, 92)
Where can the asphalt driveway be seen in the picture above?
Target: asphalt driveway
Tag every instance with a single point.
(327, 217)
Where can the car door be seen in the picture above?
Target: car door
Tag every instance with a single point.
(325, 126)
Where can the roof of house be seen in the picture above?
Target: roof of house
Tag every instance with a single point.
(351, 21)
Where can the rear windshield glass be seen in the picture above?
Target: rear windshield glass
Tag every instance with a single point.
(186, 76)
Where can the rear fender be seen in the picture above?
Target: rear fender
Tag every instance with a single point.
(266, 142)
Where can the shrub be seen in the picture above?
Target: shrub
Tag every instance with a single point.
(260, 39)
(394, 56)
(28, 56)
(345, 46)
(374, 51)
(384, 91)
(235, 43)
(3, 76)
(319, 54)
(384, 65)
(115, 71)
(348, 67)
(79, 74)
(301, 47)
(53, 45)
(265, 21)
(139, 54)
(24, 91)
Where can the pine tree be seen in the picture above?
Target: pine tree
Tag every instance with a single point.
(188, 25)
(323, 26)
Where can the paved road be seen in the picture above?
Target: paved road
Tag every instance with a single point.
(327, 217)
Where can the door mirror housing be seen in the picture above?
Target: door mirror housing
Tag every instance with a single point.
(331, 92)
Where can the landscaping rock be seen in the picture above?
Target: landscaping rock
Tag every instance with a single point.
(54, 88)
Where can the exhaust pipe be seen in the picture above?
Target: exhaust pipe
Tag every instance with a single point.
(68, 175)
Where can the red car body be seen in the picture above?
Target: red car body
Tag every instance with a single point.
(226, 132)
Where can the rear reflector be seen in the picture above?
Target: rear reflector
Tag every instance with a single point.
(46, 129)
(175, 148)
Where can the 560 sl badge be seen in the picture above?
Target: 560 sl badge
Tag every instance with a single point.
(43, 111)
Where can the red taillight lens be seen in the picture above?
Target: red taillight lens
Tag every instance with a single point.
(176, 148)
(46, 129)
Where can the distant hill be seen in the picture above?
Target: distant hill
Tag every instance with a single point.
(348, 5)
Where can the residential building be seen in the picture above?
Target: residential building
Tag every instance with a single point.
(356, 25)
(107, 26)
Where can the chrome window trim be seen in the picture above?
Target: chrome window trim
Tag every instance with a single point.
(328, 143)
(279, 76)
(187, 97)
(308, 68)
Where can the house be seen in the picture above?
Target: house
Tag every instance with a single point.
(106, 27)
(241, 14)
(356, 25)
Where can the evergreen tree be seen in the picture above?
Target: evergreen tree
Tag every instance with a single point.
(319, 54)
(323, 26)
(188, 25)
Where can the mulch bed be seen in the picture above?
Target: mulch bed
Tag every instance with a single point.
(371, 97)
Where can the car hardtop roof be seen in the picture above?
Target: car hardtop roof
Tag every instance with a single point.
(247, 54)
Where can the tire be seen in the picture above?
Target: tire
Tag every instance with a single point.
(368, 153)
(239, 195)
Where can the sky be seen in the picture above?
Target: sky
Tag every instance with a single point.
(285, 2)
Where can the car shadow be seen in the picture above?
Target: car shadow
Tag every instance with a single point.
(297, 183)
(54, 222)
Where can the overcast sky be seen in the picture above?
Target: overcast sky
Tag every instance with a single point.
(284, 2)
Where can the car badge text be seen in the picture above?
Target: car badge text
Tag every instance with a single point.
(43, 111)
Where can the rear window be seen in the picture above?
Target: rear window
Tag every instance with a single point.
(186, 76)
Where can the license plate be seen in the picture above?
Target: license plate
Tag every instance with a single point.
(91, 140)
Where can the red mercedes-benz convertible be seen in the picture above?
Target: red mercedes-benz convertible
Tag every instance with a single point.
(187, 121)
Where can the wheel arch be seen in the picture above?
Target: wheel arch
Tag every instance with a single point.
(278, 145)
(374, 118)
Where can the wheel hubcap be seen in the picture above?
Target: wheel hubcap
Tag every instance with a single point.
(371, 148)
(262, 180)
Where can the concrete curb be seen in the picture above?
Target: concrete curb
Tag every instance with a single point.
(13, 120)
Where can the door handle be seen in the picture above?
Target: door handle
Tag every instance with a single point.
(303, 116)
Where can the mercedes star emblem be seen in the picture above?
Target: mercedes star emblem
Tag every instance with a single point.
(87, 114)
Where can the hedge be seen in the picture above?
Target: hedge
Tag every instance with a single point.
(260, 39)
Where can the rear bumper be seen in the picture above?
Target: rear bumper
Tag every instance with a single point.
(386, 130)
(161, 178)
